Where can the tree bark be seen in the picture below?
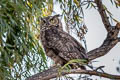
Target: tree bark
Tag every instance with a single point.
(53, 73)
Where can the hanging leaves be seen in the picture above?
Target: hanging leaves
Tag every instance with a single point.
(47, 11)
(20, 49)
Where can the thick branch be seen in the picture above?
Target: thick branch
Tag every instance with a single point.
(55, 70)
(102, 50)
(110, 41)
(103, 14)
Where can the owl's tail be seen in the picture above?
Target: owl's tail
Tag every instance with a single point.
(76, 66)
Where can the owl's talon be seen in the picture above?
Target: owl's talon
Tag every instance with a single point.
(54, 65)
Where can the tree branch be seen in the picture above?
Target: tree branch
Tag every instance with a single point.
(105, 18)
(107, 45)
(54, 73)
(111, 39)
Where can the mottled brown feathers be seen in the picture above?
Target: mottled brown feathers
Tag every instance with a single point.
(59, 45)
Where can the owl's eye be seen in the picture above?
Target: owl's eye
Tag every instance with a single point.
(52, 21)
(42, 22)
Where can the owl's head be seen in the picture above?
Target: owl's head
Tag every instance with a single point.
(50, 22)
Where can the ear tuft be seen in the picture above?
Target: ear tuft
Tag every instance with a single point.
(58, 15)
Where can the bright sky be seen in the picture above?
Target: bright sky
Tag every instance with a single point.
(96, 35)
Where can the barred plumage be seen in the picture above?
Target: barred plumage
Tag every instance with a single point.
(59, 45)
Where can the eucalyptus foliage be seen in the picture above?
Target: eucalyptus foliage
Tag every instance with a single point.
(20, 49)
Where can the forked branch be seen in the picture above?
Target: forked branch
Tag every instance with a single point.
(110, 41)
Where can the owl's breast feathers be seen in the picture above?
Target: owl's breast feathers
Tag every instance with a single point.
(64, 45)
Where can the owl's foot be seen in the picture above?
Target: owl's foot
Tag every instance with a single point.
(77, 66)
(55, 65)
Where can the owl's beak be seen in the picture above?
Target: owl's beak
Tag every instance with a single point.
(58, 15)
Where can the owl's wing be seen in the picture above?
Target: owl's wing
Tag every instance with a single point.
(64, 45)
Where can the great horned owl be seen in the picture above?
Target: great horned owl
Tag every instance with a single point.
(59, 45)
